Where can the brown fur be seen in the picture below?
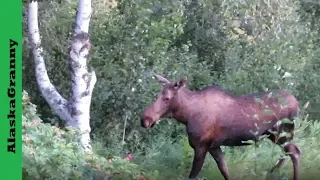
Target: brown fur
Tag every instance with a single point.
(215, 118)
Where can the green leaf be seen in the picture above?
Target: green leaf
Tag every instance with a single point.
(273, 132)
(268, 112)
(285, 134)
(282, 100)
(258, 100)
(286, 121)
(248, 142)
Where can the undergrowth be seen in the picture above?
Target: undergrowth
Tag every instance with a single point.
(51, 153)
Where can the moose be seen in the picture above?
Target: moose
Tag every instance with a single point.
(215, 118)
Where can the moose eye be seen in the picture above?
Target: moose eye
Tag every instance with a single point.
(166, 99)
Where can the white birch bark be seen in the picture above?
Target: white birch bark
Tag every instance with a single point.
(75, 112)
(49, 92)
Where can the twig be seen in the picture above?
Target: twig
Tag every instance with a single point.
(124, 129)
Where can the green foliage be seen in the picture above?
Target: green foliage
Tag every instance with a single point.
(52, 153)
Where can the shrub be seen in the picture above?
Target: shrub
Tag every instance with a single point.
(53, 153)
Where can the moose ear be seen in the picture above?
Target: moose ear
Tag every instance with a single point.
(181, 83)
(161, 79)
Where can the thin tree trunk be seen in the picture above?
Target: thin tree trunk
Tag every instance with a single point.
(49, 92)
(75, 112)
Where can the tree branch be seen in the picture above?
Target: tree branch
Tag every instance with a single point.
(83, 16)
(48, 91)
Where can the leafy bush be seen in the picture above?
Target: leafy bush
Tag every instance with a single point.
(52, 153)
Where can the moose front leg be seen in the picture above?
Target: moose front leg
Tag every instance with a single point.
(198, 160)
(217, 154)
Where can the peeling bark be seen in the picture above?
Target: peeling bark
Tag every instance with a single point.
(82, 86)
(76, 111)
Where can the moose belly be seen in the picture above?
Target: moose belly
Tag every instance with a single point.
(237, 135)
(238, 139)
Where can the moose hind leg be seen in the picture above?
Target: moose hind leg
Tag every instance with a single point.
(294, 153)
(289, 148)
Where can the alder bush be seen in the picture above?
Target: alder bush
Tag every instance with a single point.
(53, 153)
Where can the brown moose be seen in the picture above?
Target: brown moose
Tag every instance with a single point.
(215, 118)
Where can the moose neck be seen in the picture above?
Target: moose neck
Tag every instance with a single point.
(182, 107)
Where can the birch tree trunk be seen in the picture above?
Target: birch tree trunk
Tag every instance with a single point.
(76, 111)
